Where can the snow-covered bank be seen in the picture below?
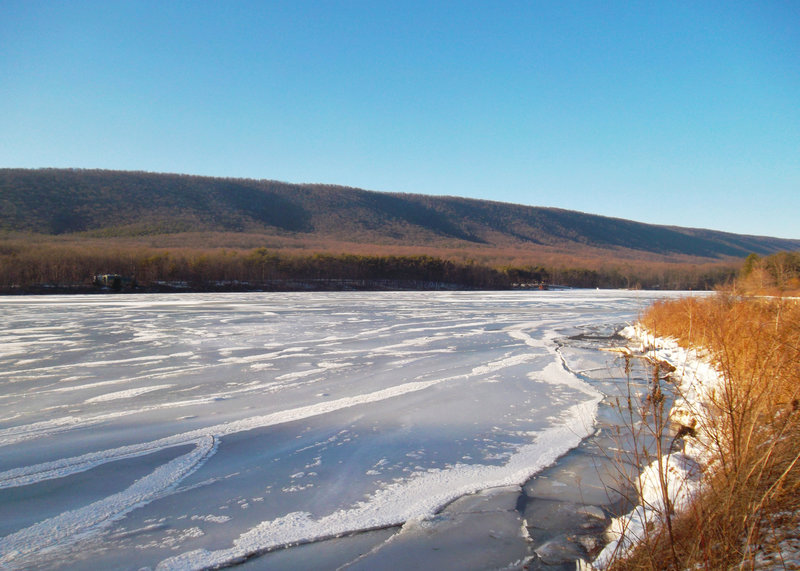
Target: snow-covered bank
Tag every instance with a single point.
(676, 477)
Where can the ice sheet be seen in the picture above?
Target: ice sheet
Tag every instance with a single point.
(307, 415)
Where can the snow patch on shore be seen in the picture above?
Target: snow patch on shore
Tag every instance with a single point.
(698, 382)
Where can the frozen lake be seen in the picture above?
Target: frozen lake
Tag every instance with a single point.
(191, 430)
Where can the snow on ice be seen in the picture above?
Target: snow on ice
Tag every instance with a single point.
(191, 430)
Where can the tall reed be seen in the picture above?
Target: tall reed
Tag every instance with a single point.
(750, 424)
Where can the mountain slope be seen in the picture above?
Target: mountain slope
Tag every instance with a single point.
(116, 203)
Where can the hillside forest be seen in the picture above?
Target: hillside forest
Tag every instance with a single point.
(26, 267)
(163, 232)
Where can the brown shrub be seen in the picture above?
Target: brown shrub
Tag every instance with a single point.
(753, 426)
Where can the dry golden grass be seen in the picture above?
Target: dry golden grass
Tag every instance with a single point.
(753, 426)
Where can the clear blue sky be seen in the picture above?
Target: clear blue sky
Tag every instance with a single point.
(684, 113)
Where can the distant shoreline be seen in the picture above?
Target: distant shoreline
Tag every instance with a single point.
(240, 287)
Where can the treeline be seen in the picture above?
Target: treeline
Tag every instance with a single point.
(26, 266)
(201, 270)
(772, 274)
(642, 275)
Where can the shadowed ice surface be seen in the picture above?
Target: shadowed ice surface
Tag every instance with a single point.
(186, 431)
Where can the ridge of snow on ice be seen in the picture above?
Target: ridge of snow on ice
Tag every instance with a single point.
(68, 527)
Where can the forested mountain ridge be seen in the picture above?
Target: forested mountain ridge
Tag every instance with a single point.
(121, 203)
